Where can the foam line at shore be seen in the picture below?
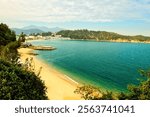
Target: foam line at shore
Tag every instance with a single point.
(71, 79)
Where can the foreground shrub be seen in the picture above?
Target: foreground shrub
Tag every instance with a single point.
(16, 83)
(9, 52)
(89, 92)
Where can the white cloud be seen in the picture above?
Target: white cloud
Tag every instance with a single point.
(73, 10)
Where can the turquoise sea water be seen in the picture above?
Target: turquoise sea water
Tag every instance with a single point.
(109, 65)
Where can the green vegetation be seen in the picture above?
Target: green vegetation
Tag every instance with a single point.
(41, 34)
(17, 83)
(22, 37)
(9, 52)
(100, 35)
(89, 92)
(139, 92)
(6, 35)
(17, 80)
(8, 44)
(46, 34)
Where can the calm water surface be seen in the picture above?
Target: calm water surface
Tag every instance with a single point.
(109, 65)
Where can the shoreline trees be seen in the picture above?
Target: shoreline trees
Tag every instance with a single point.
(16, 82)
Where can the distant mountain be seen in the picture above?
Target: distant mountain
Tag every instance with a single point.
(55, 29)
(36, 29)
(28, 31)
(43, 28)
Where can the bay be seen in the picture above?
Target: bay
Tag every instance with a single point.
(108, 65)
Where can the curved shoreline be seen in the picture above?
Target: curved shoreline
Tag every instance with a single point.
(116, 41)
(59, 86)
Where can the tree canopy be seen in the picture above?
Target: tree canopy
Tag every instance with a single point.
(46, 34)
(6, 35)
(89, 92)
(99, 35)
(9, 52)
(17, 83)
(22, 37)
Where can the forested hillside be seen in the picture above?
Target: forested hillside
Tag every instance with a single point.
(100, 35)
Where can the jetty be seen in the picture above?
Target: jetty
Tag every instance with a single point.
(42, 48)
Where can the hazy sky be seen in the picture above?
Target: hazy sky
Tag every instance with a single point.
(123, 16)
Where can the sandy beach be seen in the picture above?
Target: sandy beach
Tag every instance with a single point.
(59, 86)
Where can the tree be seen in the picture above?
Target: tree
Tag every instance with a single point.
(46, 34)
(16, 83)
(107, 96)
(21, 37)
(89, 92)
(6, 35)
(9, 52)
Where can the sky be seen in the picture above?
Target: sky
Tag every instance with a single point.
(130, 17)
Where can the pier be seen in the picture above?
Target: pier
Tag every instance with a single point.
(42, 48)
